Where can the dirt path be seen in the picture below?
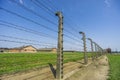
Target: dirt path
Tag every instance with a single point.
(72, 71)
(47, 73)
(95, 71)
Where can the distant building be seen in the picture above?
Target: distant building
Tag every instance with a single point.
(3, 50)
(23, 49)
(54, 50)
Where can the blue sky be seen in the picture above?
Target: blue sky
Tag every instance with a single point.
(99, 19)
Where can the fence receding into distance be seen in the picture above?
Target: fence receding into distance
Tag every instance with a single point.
(35, 29)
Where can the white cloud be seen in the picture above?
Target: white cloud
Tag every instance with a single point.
(107, 2)
(21, 1)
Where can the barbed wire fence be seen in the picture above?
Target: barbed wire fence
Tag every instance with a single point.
(39, 27)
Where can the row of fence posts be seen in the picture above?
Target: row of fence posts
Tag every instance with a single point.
(96, 50)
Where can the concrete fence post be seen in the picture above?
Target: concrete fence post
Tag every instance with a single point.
(59, 66)
(85, 49)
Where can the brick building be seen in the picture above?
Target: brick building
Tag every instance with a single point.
(23, 49)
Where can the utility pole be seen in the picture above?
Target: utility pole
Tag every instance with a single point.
(85, 50)
(59, 67)
(95, 49)
(100, 53)
(91, 47)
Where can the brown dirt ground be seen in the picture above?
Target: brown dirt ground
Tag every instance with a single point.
(96, 70)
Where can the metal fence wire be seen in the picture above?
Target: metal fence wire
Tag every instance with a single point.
(34, 38)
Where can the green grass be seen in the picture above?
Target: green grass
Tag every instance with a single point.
(114, 61)
(16, 62)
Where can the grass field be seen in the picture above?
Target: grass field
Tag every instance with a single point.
(16, 62)
(114, 61)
